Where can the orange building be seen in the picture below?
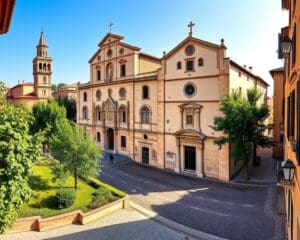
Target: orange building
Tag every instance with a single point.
(6, 12)
(289, 43)
(278, 113)
(40, 90)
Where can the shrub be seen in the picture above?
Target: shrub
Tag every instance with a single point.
(97, 201)
(106, 193)
(98, 184)
(64, 198)
(102, 196)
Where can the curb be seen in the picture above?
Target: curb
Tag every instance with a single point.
(174, 225)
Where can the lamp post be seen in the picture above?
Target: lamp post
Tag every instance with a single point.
(288, 169)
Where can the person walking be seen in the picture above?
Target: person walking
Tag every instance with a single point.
(111, 158)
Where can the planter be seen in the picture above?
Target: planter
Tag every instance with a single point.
(37, 223)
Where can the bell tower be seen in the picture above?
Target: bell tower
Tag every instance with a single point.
(42, 70)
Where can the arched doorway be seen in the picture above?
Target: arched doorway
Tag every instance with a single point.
(110, 138)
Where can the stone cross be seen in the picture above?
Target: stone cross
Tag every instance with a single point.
(191, 25)
(110, 25)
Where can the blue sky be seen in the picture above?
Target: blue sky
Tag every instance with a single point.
(73, 29)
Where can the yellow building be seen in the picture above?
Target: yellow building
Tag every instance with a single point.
(158, 111)
(40, 89)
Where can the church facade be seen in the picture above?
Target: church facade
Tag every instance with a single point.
(158, 111)
(40, 89)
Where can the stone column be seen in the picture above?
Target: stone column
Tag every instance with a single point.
(115, 141)
(177, 160)
(199, 160)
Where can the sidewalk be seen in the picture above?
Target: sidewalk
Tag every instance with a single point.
(264, 174)
(123, 224)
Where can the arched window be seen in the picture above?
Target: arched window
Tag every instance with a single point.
(109, 72)
(98, 138)
(44, 67)
(98, 95)
(145, 92)
(85, 112)
(200, 62)
(44, 92)
(45, 80)
(98, 113)
(84, 96)
(49, 67)
(40, 66)
(145, 114)
(122, 93)
(122, 111)
(179, 65)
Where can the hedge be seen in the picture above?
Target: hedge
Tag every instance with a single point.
(97, 183)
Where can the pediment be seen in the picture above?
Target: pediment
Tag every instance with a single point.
(190, 105)
(193, 41)
(190, 133)
(109, 38)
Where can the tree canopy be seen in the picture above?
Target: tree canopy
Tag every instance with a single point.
(45, 117)
(18, 150)
(70, 105)
(75, 152)
(243, 124)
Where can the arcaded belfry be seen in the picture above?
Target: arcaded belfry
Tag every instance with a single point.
(29, 93)
(158, 111)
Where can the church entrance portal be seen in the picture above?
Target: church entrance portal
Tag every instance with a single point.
(110, 137)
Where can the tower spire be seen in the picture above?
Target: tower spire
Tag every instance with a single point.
(42, 39)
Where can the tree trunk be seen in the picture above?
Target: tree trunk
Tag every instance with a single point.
(75, 177)
(254, 162)
(247, 172)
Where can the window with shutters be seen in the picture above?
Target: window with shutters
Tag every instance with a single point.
(288, 117)
(292, 114)
(294, 44)
(298, 120)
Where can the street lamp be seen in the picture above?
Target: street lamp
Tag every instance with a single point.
(285, 45)
(288, 169)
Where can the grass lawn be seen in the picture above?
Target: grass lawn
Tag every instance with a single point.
(44, 190)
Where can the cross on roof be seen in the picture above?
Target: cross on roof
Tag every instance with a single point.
(110, 25)
(191, 25)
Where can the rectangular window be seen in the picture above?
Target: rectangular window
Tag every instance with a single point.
(298, 120)
(189, 119)
(122, 70)
(283, 108)
(98, 75)
(294, 44)
(288, 117)
(123, 141)
(190, 65)
(292, 114)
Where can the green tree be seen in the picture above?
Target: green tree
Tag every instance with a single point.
(75, 152)
(70, 105)
(60, 85)
(18, 150)
(242, 124)
(45, 117)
